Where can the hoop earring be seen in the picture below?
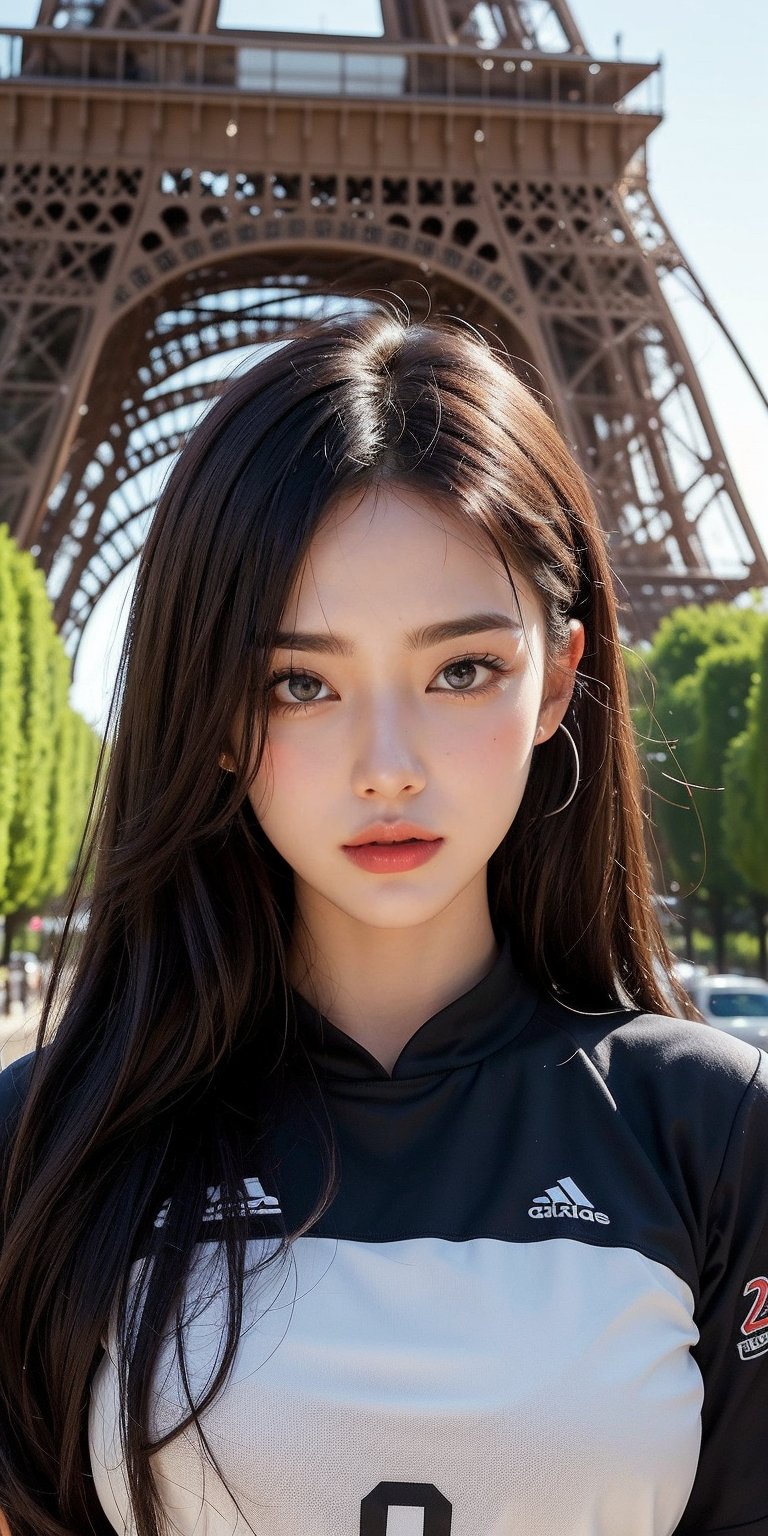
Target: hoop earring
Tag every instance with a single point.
(560, 808)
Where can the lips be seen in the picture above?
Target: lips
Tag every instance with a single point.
(394, 857)
(385, 833)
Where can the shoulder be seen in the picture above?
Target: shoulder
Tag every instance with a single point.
(14, 1083)
(682, 1105)
(652, 1045)
(692, 1079)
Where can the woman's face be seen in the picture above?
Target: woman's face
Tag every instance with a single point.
(395, 727)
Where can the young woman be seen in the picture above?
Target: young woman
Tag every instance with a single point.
(367, 1187)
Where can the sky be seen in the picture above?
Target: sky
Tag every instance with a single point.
(707, 170)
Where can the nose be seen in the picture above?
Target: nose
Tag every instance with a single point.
(387, 761)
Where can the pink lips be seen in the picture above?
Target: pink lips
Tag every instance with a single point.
(391, 832)
(392, 858)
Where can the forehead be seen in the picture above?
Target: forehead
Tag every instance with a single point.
(391, 550)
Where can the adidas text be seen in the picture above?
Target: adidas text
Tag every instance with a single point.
(566, 1199)
(542, 1212)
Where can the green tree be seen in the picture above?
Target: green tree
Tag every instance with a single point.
(686, 633)
(10, 699)
(745, 812)
(724, 675)
(29, 830)
(673, 810)
(63, 789)
(46, 783)
(686, 713)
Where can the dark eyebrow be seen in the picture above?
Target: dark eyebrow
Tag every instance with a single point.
(415, 639)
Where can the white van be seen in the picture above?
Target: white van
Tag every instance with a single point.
(737, 1004)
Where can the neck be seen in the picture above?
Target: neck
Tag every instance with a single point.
(380, 984)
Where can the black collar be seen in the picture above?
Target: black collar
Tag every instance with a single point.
(479, 1022)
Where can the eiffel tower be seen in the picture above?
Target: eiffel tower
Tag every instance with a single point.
(175, 191)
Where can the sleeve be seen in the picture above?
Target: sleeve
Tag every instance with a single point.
(730, 1492)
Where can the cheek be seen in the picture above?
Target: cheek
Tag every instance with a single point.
(502, 759)
(291, 775)
(493, 759)
(501, 735)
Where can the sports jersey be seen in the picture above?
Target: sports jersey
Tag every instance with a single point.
(536, 1306)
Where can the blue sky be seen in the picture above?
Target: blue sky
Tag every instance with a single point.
(707, 163)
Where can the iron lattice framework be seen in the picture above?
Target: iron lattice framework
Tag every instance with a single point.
(174, 192)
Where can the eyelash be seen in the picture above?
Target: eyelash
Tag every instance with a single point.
(494, 663)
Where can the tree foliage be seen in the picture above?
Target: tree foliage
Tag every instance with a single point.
(703, 666)
(48, 753)
(724, 676)
(745, 817)
(29, 819)
(10, 700)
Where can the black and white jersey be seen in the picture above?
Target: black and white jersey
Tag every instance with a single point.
(537, 1305)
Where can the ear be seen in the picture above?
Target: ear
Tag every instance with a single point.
(560, 683)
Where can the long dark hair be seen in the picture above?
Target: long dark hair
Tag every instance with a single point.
(191, 909)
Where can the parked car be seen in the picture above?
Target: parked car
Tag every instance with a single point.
(737, 1004)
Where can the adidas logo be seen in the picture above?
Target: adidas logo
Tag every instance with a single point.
(257, 1203)
(566, 1199)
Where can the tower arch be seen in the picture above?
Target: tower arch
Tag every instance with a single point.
(170, 341)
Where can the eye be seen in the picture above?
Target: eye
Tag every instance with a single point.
(467, 667)
(299, 680)
(464, 668)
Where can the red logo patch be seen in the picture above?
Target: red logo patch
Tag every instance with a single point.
(755, 1324)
